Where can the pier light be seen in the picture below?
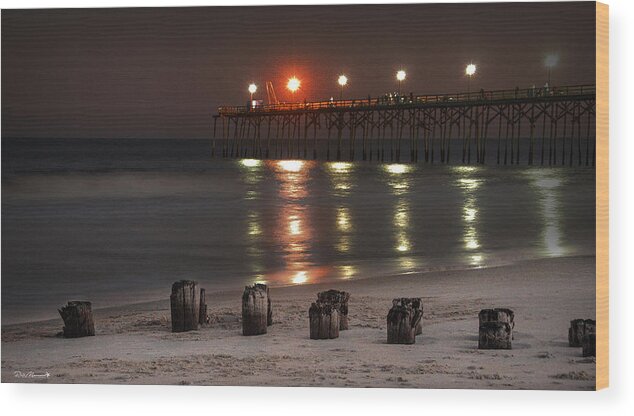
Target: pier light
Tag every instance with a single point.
(400, 77)
(293, 84)
(343, 81)
(252, 89)
(551, 61)
(470, 70)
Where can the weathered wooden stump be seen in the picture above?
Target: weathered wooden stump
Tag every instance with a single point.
(202, 317)
(185, 305)
(494, 336)
(269, 308)
(339, 299)
(254, 310)
(498, 315)
(590, 326)
(403, 320)
(324, 320)
(579, 328)
(589, 345)
(78, 322)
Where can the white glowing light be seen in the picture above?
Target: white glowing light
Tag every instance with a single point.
(253, 88)
(250, 163)
(293, 84)
(400, 75)
(295, 226)
(343, 219)
(341, 167)
(343, 80)
(397, 168)
(291, 165)
(551, 60)
(403, 247)
(299, 278)
(470, 70)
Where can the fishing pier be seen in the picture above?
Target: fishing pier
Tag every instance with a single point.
(534, 126)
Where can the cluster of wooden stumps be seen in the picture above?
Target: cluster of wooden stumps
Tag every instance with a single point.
(328, 315)
(582, 333)
(404, 320)
(496, 329)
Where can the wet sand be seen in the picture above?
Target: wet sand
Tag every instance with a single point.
(134, 344)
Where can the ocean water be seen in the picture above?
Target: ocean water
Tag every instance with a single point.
(117, 221)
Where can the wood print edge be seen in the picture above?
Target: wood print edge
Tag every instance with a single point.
(602, 195)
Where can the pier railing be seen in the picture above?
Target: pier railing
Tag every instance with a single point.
(390, 100)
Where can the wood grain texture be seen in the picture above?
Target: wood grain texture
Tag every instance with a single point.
(602, 194)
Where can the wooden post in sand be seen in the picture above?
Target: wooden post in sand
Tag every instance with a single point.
(579, 328)
(202, 316)
(78, 322)
(402, 321)
(575, 332)
(498, 315)
(185, 306)
(338, 299)
(324, 321)
(254, 310)
(494, 336)
(269, 308)
(589, 345)
(417, 303)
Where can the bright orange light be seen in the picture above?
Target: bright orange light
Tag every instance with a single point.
(293, 84)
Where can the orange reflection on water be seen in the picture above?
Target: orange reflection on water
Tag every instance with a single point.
(294, 232)
(292, 176)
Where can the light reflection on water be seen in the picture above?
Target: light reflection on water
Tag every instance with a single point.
(340, 175)
(399, 181)
(469, 186)
(301, 230)
(228, 223)
(547, 185)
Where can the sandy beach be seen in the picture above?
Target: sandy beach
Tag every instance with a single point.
(134, 344)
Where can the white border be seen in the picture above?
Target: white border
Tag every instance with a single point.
(159, 400)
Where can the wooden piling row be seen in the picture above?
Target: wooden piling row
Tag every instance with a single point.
(328, 315)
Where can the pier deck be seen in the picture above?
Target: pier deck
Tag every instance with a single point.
(533, 126)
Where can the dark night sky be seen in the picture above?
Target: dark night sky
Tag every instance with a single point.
(161, 72)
